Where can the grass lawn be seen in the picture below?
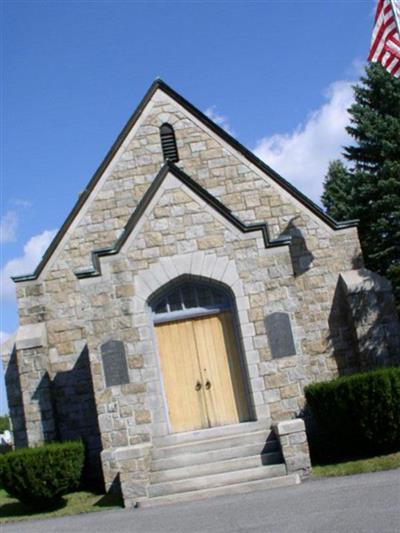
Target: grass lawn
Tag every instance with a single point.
(11, 510)
(374, 464)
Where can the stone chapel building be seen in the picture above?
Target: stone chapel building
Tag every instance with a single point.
(181, 309)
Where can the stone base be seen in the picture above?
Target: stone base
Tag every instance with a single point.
(127, 469)
(294, 445)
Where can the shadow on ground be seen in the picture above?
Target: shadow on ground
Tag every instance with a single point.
(74, 503)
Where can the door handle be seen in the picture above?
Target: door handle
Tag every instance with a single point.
(208, 385)
(198, 385)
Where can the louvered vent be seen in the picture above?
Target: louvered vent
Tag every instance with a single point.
(168, 143)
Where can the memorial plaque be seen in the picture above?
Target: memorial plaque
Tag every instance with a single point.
(280, 335)
(114, 363)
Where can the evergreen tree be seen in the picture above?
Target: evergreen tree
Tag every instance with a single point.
(374, 162)
(338, 189)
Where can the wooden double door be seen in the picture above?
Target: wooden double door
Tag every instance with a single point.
(202, 373)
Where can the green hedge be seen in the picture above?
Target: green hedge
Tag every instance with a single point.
(39, 477)
(356, 415)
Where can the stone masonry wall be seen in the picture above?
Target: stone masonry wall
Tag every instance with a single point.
(135, 411)
(318, 252)
(302, 283)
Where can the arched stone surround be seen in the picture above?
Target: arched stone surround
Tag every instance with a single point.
(207, 267)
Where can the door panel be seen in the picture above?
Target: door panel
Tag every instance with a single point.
(202, 351)
(180, 369)
(220, 368)
(236, 371)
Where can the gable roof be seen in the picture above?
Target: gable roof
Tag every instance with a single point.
(159, 84)
(166, 169)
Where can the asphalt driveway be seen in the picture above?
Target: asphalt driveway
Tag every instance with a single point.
(367, 503)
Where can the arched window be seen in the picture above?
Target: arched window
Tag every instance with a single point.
(189, 299)
(168, 143)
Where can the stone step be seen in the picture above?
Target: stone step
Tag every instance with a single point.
(216, 480)
(254, 437)
(221, 454)
(229, 465)
(236, 488)
(211, 433)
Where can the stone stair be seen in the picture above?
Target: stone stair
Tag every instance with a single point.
(217, 461)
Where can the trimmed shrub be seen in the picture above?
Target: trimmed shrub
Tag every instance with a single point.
(356, 416)
(40, 477)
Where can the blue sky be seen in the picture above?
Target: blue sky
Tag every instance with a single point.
(276, 74)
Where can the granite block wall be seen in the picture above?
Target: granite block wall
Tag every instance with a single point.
(179, 234)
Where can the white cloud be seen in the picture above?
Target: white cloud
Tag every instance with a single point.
(8, 226)
(356, 69)
(3, 337)
(21, 203)
(26, 264)
(219, 119)
(302, 156)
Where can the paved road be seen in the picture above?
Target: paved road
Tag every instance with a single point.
(368, 503)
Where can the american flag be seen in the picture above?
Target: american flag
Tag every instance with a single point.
(385, 44)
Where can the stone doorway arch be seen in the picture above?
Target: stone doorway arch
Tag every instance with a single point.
(200, 358)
